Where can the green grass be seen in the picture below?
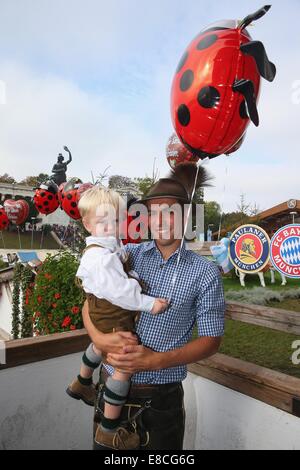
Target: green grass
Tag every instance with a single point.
(262, 346)
(11, 241)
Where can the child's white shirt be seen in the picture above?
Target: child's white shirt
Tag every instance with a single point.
(102, 274)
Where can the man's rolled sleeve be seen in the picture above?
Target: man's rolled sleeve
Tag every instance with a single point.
(210, 304)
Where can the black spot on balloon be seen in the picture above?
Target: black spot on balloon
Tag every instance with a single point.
(40, 207)
(186, 80)
(72, 212)
(62, 196)
(69, 196)
(182, 61)
(46, 203)
(243, 110)
(47, 209)
(183, 114)
(50, 197)
(208, 97)
(207, 41)
(73, 204)
(43, 194)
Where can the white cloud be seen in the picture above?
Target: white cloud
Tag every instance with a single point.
(96, 76)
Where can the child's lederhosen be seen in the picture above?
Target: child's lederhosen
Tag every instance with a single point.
(107, 317)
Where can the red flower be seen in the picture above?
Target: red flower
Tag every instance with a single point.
(57, 295)
(37, 314)
(54, 305)
(48, 276)
(72, 327)
(50, 316)
(66, 322)
(39, 299)
(75, 310)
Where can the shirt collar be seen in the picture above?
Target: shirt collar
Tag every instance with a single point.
(185, 253)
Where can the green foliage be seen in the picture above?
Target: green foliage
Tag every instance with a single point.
(56, 299)
(212, 215)
(3, 265)
(35, 181)
(16, 301)
(26, 316)
(5, 178)
(263, 295)
(144, 184)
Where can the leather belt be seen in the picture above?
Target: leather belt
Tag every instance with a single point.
(145, 390)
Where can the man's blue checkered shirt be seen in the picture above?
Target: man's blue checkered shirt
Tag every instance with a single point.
(197, 299)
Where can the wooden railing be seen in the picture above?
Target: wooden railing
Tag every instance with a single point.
(274, 388)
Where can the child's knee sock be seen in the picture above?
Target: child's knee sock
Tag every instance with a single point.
(115, 393)
(90, 360)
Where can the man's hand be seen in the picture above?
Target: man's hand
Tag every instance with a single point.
(135, 359)
(109, 342)
(117, 342)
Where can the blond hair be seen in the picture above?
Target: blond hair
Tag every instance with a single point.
(98, 196)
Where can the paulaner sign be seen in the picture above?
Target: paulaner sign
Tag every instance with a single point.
(249, 248)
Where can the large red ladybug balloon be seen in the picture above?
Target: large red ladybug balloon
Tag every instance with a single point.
(69, 198)
(46, 197)
(216, 86)
(16, 211)
(177, 153)
(4, 221)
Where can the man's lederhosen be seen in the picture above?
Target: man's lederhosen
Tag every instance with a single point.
(156, 412)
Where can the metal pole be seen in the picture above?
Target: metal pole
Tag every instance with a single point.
(42, 238)
(18, 228)
(2, 239)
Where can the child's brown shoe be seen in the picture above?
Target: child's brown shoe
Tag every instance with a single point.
(120, 439)
(86, 393)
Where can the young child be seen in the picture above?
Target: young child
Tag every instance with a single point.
(114, 299)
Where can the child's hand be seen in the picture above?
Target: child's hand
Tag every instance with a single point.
(159, 306)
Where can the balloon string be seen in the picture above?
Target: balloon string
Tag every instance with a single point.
(223, 199)
(19, 237)
(2, 239)
(174, 279)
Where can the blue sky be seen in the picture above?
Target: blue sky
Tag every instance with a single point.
(96, 76)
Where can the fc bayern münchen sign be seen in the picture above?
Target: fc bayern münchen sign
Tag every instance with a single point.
(285, 250)
(249, 249)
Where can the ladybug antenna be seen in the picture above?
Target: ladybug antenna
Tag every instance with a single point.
(254, 16)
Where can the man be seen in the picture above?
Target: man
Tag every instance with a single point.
(159, 362)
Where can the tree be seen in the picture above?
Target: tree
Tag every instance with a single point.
(5, 178)
(212, 215)
(35, 181)
(243, 207)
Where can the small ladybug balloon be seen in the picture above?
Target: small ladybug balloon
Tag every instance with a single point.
(46, 197)
(69, 198)
(216, 86)
(4, 221)
(177, 153)
(83, 188)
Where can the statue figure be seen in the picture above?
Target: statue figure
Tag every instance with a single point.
(59, 169)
